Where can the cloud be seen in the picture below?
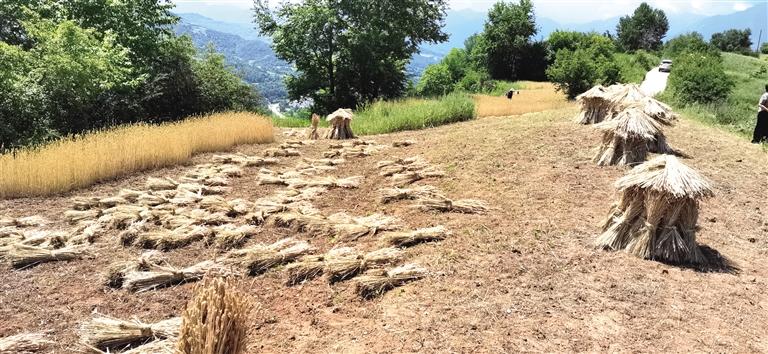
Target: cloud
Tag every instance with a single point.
(740, 6)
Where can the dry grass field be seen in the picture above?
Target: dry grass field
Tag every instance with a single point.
(522, 277)
(534, 97)
(81, 161)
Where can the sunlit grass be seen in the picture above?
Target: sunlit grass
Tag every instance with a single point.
(80, 161)
(412, 114)
(533, 97)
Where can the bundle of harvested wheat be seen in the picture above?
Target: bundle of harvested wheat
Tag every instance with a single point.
(344, 267)
(45, 238)
(261, 258)
(305, 269)
(130, 195)
(410, 238)
(440, 203)
(108, 333)
(327, 182)
(372, 224)
(409, 177)
(414, 163)
(622, 96)
(76, 216)
(85, 203)
(279, 152)
(161, 276)
(151, 199)
(388, 195)
(658, 110)
(201, 189)
(655, 217)
(376, 283)
(340, 122)
(403, 143)
(166, 240)
(22, 256)
(161, 184)
(324, 162)
(115, 274)
(216, 320)
(628, 138)
(128, 236)
(230, 236)
(24, 343)
(595, 106)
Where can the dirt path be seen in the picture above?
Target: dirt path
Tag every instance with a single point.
(655, 82)
(523, 277)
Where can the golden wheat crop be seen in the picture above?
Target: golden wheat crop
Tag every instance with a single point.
(80, 161)
(534, 97)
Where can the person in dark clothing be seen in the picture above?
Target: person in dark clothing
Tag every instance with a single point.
(761, 128)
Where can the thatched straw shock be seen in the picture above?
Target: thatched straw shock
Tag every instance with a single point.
(24, 343)
(410, 238)
(378, 282)
(340, 124)
(629, 138)
(655, 217)
(595, 106)
(161, 276)
(216, 320)
(106, 333)
(22, 256)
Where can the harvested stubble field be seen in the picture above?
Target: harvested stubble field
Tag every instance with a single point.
(532, 97)
(522, 277)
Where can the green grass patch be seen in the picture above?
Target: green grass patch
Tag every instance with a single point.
(500, 87)
(738, 112)
(413, 114)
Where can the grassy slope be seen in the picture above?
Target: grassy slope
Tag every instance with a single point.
(738, 113)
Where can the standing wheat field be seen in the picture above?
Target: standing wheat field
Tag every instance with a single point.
(80, 161)
(533, 97)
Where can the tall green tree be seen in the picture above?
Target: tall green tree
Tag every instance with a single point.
(733, 40)
(645, 29)
(582, 60)
(348, 52)
(507, 35)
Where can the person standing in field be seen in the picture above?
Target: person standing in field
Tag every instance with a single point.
(761, 128)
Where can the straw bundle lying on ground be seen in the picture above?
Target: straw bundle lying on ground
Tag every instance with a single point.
(628, 138)
(115, 274)
(24, 343)
(388, 195)
(655, 217)
(280, 152)
(161, 276)
(108, 333)
(216, 320)
(22, 256)
(166, 240)
(342, 267)
(389, 168)
(130, 195)
(437, 202)
(230, 236)
(409, 177)
(261, 258)
(244, 160)
(84, 203)
(410, 238)
(76, 216)
(45, 239)
(327, 182)
(152, 199)
(28, 221)
(160, 184)
(305, 269)
(595, 106)
(376, 283)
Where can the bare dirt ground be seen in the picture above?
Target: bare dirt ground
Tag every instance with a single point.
(523, 277)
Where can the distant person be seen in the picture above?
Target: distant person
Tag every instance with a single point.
(761, 128)
(511, 93)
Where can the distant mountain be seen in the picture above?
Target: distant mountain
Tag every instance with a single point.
(252, 58)
(247, 31)
(754, 18)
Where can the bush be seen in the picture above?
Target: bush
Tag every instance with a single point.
(692, 42)
(413, 114)
(633, 67)
(575, 72)
(435, 81)
(699, 78)
(475, 81)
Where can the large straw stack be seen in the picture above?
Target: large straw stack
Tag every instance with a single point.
(655, 216)
(215, 321)
(594, 105)
(628, 138)
(340, 124)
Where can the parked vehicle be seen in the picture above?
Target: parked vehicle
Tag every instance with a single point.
(666, 66)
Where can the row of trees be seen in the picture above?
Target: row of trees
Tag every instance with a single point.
(75, 65)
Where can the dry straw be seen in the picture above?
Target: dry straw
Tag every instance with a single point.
(22, 256)
(24, 343)
(158, 276)
(377, 282)
(629, 138)
(216, 320)
(595, 106)
(342, 267)
(440, 203)
(106, 333)
(340, 124)
(655, 217)
(388, 195)
(261, 258)
(410, 238)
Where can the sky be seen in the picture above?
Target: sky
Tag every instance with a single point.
(564, 11)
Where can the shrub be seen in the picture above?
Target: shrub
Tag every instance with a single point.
(699, 78)
(575, 72)
(475, 81)
(435, 81)
(692, 42)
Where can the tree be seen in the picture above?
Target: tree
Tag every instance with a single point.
(435, 81)
(645, 29)
(349, 52)
(582, 61)
(220, 89)
(733, 40)
(692, 42)
(507, 35)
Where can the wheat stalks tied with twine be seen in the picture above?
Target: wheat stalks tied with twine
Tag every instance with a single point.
(22, 256)
(161, 276)
(343, 267)
(375, 283)
(107, 333)
(24, 343)
(410, 238)
(216, 320)
(261, 258)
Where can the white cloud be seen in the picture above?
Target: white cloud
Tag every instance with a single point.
(740, 6)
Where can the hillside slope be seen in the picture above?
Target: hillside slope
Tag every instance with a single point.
(523, 277)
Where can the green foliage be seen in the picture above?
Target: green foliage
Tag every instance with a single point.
(764, 48)
(699, 78)
(476, 81)
(734, 41)
(633, 67)
(413, 114)
(692, 42)
(350, 52)
(507, 35)
(645, 29)
(581, 61)
(220, 89)
(435, 81)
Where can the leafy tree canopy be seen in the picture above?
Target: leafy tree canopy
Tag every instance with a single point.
(645, 29)
(733, 40)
